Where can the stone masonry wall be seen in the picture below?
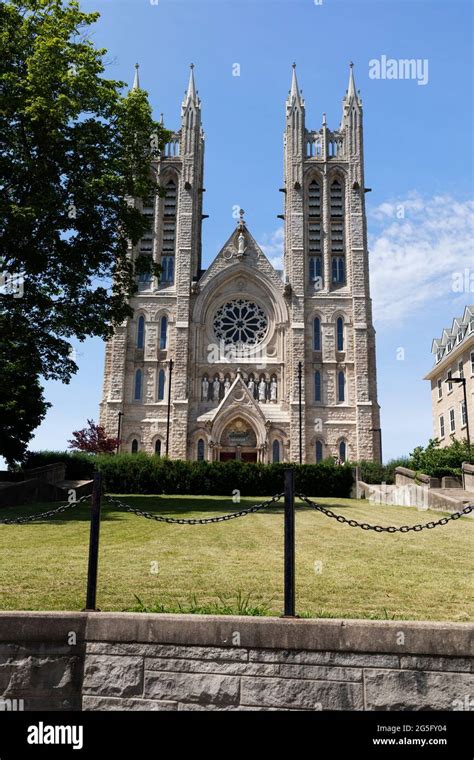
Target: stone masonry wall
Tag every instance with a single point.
(116, 661)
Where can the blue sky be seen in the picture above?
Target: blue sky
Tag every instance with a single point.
(418, 157)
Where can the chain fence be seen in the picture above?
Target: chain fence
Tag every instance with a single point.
(45, 515)
(195, 521)
(383, 528)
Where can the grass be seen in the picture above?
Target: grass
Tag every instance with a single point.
(237, 567)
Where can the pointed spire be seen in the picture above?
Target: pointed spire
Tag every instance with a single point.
(191, 92)
(136, 79)
(351, 90)
(294, 95)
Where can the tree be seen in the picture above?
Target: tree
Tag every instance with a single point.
(93, 439)
(74, 152)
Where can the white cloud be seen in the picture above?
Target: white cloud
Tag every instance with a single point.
(414, 259)
(272, 246)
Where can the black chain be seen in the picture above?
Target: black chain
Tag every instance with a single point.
(196, 521)
(382, 528)
(45, 515)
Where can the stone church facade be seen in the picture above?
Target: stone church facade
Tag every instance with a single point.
(208, 367)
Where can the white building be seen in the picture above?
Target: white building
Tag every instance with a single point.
(237, 331)
(454, 358)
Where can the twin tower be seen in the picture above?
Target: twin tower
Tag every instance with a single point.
(239, 360)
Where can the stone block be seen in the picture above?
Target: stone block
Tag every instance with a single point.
(116, 703)
(286, 693)
(192, 687)
(113, 676)
(39, 675)
(415, 690)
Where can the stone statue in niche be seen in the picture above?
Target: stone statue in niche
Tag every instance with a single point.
(226, 385)
(273, 389)
(262, 390)
(216, 386)
(251, 386)
(205, 388)
(241, 247)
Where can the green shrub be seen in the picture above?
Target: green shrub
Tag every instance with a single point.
(439, 462)
(374, 472)
(145, 474)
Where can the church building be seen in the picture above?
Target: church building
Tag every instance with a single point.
(239, 360)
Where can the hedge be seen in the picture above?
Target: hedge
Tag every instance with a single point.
(148, 474)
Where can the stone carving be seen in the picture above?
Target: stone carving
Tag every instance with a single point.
(226, 384)
(273, 389)
(216, 387)
(251, 385)
(262, 390)
(205, 388)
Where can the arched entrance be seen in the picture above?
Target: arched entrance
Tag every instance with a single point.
(238, 441)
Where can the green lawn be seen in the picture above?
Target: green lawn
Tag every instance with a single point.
(341, 571)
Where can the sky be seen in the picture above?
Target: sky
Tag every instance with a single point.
(418, 146)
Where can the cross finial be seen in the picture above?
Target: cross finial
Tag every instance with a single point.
(241, 220)
(351, 64)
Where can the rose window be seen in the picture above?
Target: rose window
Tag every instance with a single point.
(240, 322)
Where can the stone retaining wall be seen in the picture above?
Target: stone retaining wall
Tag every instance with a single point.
(116, 661)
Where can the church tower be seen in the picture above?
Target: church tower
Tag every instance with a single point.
(327, 267)
(154, 344)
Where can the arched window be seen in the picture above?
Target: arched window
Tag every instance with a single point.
(163, 332)
(138, 385)
(316, 334)
(340, 334)
(341, 386)
(336, 211)
(200, 450)
(276, 451)
(141, 332)
(342, 451)
(319, 451)
(134, 446)
(314, 232)
(317, 386)
(161, 385)
(169, 233)
(158, 447)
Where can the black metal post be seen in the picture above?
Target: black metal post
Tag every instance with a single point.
(119, 430)
(300, 409)
(289, 559)
(94, 543)
(169, 408)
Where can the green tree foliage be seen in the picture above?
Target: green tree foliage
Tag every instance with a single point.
(74, 151)
(438, 462)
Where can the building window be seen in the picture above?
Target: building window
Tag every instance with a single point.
(341, 386)
(169, 234)
(440, 389)
(316, 334)
(316, 270)
(441, 426)
(319, 451)
(134, 446)
(452, 421)
(200, 450)
(317, 386)
(472, 362)
(450, 385)
(463, 414)
(144, 278)
(340, 334)
(167, 270)
(314, 233)
(158, 447)
(138, 385)
(461, 369)
(141, 332)
(342, 451)
(163, 332)
(161, 385)
(338, 270)
(276, 451)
